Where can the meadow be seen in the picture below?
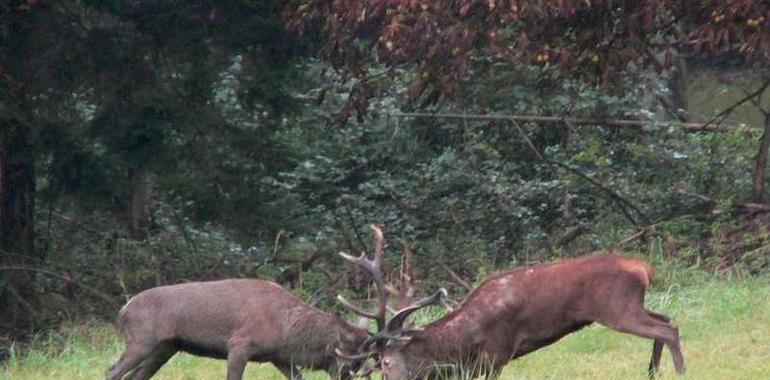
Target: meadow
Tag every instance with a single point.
(724, 325)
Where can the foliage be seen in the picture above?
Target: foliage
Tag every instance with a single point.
(131, 89)
(128, 106)
(480, 195)
(241, 151)
(597, 40)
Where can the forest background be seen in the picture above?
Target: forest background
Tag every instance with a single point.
(152, 142)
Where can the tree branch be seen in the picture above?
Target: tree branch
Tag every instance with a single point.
(618, 123)
(648, 228)
(99, 294)
(456, 278)
(622, 202)
(727, 111)
(77, 224)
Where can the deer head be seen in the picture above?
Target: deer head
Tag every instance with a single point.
(392, 330)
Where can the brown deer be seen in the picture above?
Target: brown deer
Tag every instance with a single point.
(519, 311)
(240, 320)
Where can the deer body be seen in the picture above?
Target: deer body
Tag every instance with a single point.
(519, 311)
(240, 320)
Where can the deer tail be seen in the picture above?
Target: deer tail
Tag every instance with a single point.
(640, 269)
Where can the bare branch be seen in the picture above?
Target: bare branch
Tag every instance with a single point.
(277, 242)
(99, 294)
(31, 312)
(457, 279)
(727, 111)
(613, 195)
(622, 202)
(77, 223)
(617, 123)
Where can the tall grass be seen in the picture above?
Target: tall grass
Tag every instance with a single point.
(724, 326)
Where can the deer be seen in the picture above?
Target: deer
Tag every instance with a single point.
(239, 320)
(516, 312)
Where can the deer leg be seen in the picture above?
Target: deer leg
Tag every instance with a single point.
(132, 357)
(152, 364)
(237, 358)
(657, 352)
(641, 323)
(657, 346)
(290, 371)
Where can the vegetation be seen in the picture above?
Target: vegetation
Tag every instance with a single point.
(149, 142)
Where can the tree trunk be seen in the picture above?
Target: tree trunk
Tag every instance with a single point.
(17, 190)
(761, 164)
(17, 207)
(141, 199)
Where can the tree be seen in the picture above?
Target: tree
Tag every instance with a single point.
(39, 59)
(449, 48)
(99, 97)
(554, 57)
(443, 41)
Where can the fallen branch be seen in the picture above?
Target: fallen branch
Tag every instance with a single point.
(763, 250)
(27, 306)
(740, 207)
(649, 228)
(622, 202)
(727, 111)
(617, 123)
(613, 195)
(77, 224)
(572, 234)
(641, 232)
(752, 208)
(456, 278)
(291, 274)
(99, 294)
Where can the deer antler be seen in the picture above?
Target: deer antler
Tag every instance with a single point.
(393, 329)
(396, 324)
(405, 295)
(374, 268)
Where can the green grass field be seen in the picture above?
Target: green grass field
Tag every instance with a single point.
(724, 326)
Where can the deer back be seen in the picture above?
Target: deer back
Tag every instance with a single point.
(204, 317)
(518, 311)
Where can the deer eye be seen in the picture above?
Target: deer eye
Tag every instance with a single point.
(386, 362)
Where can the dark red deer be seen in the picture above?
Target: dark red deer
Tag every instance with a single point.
(519, 311)
(239, 320)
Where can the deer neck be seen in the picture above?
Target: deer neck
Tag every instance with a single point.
(449, 340)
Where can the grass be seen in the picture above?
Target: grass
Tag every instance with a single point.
(724, 325)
